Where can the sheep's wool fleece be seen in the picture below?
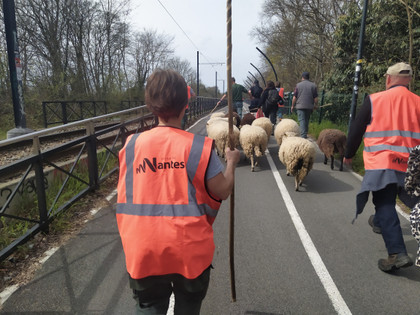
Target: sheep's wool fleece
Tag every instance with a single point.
(329, 139)
(285, 125)
(264, 123)
(295, 148)
(253, 139)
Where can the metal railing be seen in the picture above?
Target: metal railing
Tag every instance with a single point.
(64, 112)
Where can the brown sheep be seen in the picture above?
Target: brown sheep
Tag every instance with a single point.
(247, 119)
(331, 141)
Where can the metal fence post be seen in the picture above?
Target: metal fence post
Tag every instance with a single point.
(92, 157)
(320, 107)
(64, 112)
(44, 112)
(40, 187)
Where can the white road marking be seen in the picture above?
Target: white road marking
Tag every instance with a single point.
(336, 299)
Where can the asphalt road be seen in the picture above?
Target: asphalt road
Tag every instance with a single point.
(295, 253)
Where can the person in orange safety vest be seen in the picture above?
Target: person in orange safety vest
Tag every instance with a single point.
(191, 94)
(389, 121)
(281, 103)
(170, 188)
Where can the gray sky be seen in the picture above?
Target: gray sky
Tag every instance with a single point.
(204, 23)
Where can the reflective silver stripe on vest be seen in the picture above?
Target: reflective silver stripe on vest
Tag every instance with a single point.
(192, 165)
(392, 133)
(191, 209)
(129, 162)
(382, 147)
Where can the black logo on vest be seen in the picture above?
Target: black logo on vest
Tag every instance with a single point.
(399, 161)
(155, 166)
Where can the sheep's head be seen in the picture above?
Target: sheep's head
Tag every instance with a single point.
(289, 134)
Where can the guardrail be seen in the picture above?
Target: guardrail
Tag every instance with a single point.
(35, 189)
(64, 112)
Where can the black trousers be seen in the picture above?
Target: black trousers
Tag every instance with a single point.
(152, 293)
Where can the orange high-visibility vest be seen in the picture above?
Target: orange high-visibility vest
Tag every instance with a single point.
(164, 212)
(394, 129)
(189, 94)
(281, 93)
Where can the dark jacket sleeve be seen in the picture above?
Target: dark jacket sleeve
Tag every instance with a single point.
(263, 98)
(358, 128)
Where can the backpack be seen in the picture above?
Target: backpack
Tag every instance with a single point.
(273, 98)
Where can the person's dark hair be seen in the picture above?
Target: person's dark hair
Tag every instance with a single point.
(166, 93)
(270, 85)
(233, 79)
(278, 84)
(305, 75)
(256, 82)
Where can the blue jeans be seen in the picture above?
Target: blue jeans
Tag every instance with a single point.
(386, 218)
(238, 105)
(303, 118)
(280, 112)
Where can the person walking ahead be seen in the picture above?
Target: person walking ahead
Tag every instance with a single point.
(305, 99)
(255, 92)
(389, 121)
(237, 99)
(169, 191)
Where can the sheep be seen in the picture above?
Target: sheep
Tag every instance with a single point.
(217, 115)
(253, 140)
(265, 124)
(285, 125)
(218, 130)
(247, 119)
(298, 155)
(332, 141)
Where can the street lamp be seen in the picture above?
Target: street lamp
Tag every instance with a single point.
(275, 74)
(259, 73)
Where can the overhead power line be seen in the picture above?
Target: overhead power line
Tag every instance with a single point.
(186, 35)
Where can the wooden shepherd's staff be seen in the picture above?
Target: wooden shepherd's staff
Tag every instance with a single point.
(232, 147)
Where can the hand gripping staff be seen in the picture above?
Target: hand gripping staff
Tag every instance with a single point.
(231, 145)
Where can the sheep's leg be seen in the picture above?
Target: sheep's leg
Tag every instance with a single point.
(332, 161)
(341, 164)
(297, 184)
(325, 159)
(252, 162)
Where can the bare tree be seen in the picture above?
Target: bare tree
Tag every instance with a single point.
(149, 51)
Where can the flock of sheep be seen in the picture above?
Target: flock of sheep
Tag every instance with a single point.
(297, 154)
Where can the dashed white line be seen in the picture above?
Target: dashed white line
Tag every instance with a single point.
(336, 299)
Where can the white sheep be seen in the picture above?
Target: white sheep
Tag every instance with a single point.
(298, 155)
(285, 125)
(265, 124)
(332, 141)
(253, 140)
(217, 114)
(218, 130)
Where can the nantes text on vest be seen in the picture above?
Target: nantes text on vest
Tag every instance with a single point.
(154, 166)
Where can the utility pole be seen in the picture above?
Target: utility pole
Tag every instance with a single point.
(198, 71)
(358, 66)
(15, 68)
